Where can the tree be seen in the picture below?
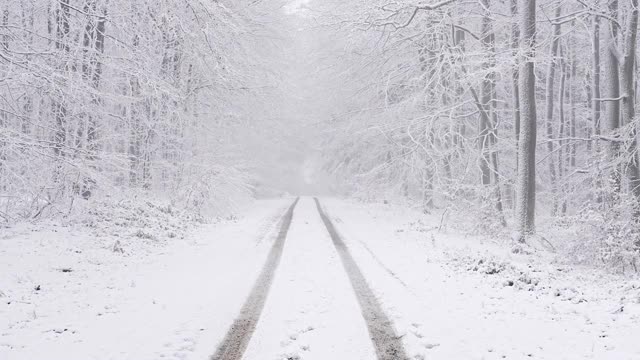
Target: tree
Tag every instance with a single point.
(550, 106)
(628, 90)
(136, 98)
(612, 123)
(526, 182)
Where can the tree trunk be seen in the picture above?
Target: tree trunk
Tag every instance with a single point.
(612, 122)
(551, 73)
(489, 117)
(515, 79)
(515, 47)
(596, 106)
(571, 76)
(627, 83)
(595, 94)
(526, 190)
(58, 103)
(93, 43)
(428, 172)
(4, 117)
(562, 131)
(486, 102)
(135, 132)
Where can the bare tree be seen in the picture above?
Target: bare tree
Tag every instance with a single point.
(526, 183)
(550, 106)
(628, 90)
(612, 124)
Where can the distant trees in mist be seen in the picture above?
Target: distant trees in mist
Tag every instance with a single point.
(102, 97)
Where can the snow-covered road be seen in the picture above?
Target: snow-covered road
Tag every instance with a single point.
(312, 311)
(445, 296)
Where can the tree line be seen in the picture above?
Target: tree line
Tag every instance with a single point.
(126, 97)
(512, 108)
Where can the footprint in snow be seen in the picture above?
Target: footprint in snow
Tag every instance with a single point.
(308, 328)
(291, 356)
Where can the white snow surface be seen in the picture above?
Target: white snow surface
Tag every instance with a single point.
(449, 296)
(172, 301)
(312, 312)
(457, 297)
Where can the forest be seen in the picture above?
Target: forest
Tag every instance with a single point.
(319, 179)
(506, 110)
(521, 115)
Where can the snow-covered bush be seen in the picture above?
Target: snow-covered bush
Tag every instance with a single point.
(134, 217)
(211, 190)
(608, 237)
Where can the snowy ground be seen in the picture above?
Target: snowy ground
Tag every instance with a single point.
(456, 297)
(66, 295)
(311, 311)
(154, 302)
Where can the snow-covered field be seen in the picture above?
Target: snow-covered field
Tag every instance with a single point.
(66, 294)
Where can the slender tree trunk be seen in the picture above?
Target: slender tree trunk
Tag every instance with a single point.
(428, 175)
(427, 188)
(460, 93)
(515, 78)
(428, 171)
(28, 20)
(562, 132)
(489, 117)
(515, 47)
(4, 116)
(484, 131)
(612, 122)
(526, 188)
(93, 48)
(550, 105)
(135, 132)
(59, 106)
(148, 139)
(628, 87)
(572, 73)
(596, 105)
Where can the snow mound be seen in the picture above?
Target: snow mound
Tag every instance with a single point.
(136, 219)
(509, 274)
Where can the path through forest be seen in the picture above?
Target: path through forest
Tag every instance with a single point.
(327, 279)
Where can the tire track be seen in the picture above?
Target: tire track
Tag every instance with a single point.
(237, 338)
(387, 343)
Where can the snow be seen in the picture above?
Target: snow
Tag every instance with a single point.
(153, 302)
(311, 312)
(450, 296)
